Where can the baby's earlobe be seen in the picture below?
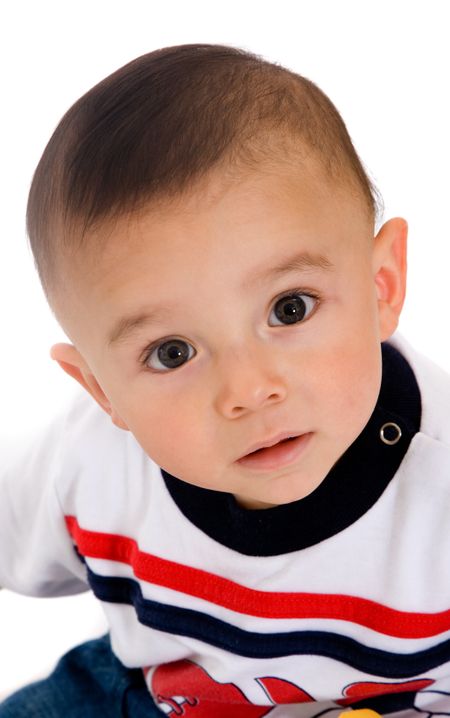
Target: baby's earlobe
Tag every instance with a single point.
(115, 418)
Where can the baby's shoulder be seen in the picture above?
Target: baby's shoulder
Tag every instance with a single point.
(92, 445)
(434, 385)
(101, 467)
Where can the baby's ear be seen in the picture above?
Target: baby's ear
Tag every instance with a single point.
(73, 363)
(390, 271)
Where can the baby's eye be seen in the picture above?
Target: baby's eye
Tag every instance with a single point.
(172, 353)
(168, 355)
(292, 307)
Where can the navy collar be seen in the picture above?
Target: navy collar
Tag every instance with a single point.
(352, 486)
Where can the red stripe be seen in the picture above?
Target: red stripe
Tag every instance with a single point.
(231, 595)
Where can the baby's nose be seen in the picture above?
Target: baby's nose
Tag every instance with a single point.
(248, 385)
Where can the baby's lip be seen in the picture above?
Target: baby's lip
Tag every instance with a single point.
(271, 441)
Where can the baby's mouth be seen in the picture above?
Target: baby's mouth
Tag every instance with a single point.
(281, 438)
(272, 455)
(267, 448)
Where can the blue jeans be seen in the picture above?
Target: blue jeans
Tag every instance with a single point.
(88, 681)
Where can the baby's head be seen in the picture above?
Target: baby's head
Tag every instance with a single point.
(204, 233)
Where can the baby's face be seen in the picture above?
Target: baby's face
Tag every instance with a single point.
(242, 315)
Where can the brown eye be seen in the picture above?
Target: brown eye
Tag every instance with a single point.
(169, 355)
(293, 307)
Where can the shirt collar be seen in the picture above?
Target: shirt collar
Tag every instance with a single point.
(352, 486)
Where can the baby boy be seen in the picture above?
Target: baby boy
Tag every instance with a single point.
(255, 482)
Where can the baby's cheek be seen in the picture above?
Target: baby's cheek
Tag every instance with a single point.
(347, 403)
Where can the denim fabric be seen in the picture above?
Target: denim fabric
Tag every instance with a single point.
(88, 681)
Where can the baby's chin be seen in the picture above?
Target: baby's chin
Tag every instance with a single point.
(253, 504)
(280, 497)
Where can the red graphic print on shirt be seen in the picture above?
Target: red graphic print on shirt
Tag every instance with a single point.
(203, 697)
(208, 697)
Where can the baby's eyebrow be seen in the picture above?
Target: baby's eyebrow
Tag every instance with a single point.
(128, 325)
(300, 262)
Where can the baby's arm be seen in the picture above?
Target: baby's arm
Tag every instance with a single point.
(37, 557)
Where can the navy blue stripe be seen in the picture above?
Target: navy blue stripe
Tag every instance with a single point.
(213, 631)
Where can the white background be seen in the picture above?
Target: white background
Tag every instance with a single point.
(384, 63)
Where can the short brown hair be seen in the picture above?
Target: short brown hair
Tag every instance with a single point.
(155, 126)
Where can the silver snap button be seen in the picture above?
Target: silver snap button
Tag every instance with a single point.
(383, 436)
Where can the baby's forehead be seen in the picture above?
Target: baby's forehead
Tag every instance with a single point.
(221, 214)
(183, 255)
(307, 183)
(218, 220)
